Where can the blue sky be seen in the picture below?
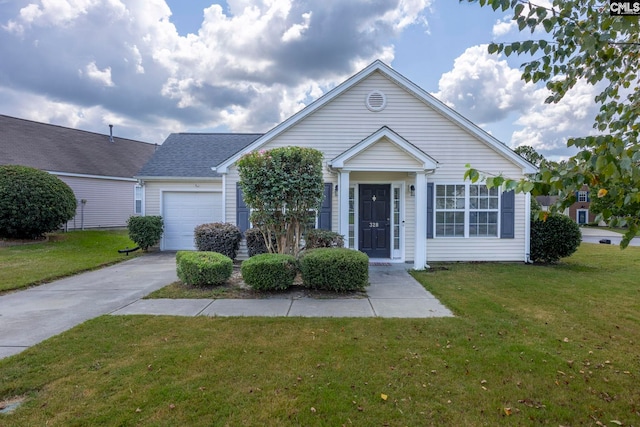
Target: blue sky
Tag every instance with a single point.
(152, 67)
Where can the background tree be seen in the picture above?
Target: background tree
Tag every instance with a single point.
(584, 42)
(282, 187)
(530, 154)
(32, 202)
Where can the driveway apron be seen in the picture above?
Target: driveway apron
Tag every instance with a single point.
(35, 314)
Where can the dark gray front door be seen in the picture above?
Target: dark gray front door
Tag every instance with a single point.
(375, 214)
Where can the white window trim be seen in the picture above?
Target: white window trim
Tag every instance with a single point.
(582, 196)
(467, 210)
(135, 199)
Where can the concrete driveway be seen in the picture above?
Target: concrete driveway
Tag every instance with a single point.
(35, 314)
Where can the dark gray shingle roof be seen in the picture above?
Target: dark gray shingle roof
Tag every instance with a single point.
(60, 149)
(191, 155)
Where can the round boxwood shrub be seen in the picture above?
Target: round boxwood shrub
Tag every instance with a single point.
(556, 237)
(335, 269)
(269, 272)
(146, 231)
(221, 237)
(32, 202)
(203, 268)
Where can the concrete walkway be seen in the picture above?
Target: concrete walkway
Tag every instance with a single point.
(35, 314)
(392, 293)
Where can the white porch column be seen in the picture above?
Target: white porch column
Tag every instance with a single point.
(420, 255)
(343, 205)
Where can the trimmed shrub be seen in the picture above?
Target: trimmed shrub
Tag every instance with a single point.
(335, 269)
(269, 272)
(203, 268)
(557, 237)
(32, 202)
(221, 237)
(146, 231)
(255, 242)
(323, 239)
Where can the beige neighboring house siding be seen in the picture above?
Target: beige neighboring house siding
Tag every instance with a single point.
(109, 201)
(345, 121)
(154, 189)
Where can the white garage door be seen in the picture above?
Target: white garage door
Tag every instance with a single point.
(183, 211)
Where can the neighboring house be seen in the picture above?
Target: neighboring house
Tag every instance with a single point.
(578, 211)
(394, 160)
(98, 168)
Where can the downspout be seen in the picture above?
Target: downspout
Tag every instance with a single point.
(527, 229)
(82, 203)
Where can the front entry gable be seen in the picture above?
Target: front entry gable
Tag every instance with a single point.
(384, 150)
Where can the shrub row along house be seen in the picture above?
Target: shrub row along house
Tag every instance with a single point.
(99, 168)
(394, 160)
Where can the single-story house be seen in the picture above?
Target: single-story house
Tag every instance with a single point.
(394, 161)
(99, 168)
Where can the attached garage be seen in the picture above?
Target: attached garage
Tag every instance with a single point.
(182, 211)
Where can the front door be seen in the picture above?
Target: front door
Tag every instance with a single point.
(582, 216)
(375, 216)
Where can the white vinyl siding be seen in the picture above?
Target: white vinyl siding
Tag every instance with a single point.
(383, 155)
(108, 202)
(153, 190)
(345, 121)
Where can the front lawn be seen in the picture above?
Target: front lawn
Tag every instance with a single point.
(551, 345)
(63, 255)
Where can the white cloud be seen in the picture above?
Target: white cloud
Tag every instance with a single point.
(484, 87)
(296, 30)
(102, 76)
(249, 65)
(546, 127)
(504, 26)
(487, 90)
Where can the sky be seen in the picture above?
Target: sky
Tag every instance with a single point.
(153, 67)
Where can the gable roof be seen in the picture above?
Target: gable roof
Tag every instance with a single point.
(60, 149)
(192, 155)
(390, 73)
(425, 161)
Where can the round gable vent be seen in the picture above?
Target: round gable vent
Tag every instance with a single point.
(376, 101)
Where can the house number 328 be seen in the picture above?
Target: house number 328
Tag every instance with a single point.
(373, 225)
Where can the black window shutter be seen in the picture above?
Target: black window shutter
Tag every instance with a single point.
(324, 216)
(507, 215)
(242, 211)
(430, 210)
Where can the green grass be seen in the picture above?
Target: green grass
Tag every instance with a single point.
(550, 345)
(63, 255)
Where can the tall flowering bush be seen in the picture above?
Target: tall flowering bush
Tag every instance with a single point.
(283, 187)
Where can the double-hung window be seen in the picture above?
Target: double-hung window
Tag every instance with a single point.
(450, 210)
(466, 210)
(137, 196)
(483, 211)
(582, 196)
